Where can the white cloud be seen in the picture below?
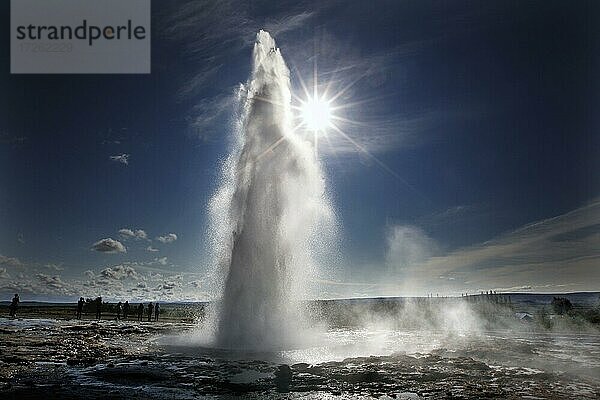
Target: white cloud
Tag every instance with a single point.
(113, 283)
(138, 234)
(54, 267)
(109, 245)
(197, 284)
(168, 238)
(41, 284)
(10, 261)
(53, 282)
(121, 158)
(151, 249)
(143, 264)
(119, 272)
(168, 286)
(89, 274)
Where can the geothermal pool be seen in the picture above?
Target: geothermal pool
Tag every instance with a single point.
(67, 359)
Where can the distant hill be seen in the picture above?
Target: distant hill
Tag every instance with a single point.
(585, 299)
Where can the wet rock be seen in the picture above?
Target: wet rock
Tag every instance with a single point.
(364, 377)
(13, 359)
(81, 361)
(300, 366)
(77, 328)
(131, 375)
(407, 396)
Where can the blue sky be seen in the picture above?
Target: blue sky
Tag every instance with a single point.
(484, 112)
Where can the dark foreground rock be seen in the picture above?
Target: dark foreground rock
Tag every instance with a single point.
(121, 361)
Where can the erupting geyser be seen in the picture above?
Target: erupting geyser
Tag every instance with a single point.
(270, 215)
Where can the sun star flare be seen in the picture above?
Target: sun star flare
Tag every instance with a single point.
(316, 114)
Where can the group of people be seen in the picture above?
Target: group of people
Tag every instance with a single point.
(122, 310)
(151, 308)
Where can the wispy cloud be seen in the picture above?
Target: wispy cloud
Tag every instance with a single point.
(556, 254)
(121, 158)
(213, 33)
(287, 23)
(545, 254)
(203, 118)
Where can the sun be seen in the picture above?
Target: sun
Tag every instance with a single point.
(316, 114)
(322, 115)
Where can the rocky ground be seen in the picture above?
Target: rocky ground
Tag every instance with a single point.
(67, 359)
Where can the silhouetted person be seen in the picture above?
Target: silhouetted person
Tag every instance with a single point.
(119, 308)
(98, 308)
(80, 307)
(156, 311)
(283, 378)
(140, 311)
(125, 310)
(14, 304)
(561, 305)
(150, 310)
